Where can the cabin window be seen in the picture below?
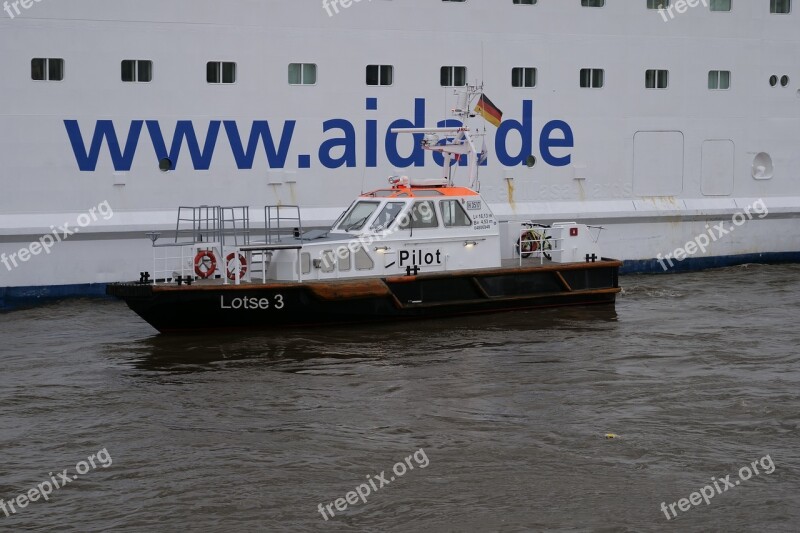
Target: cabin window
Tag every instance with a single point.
(720, 5)
(47, 69)
(302, 74)
(363, 260)
(380, 74)
(221, 72)
(453, 214)
(719, 80)
(137, 70)
(305, 263)
(328, 261)
(656, 79)
(593, 3)
(592, 78)
(387, 216)
(781, 7)
(421, 215)
(453, 77)
(358, 216)
(523, 77)
(657, 4)
(345, 261)
(524, 2)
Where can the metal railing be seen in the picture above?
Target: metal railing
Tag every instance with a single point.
(207, 236)
(535, 240)
(198, 224)
(278, 225)
(204, 228)
(235, 225)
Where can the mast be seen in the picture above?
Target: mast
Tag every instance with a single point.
(457, 141)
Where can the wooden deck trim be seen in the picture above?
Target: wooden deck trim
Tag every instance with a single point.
(367, 288)
(346, 284)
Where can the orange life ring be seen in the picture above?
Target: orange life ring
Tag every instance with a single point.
(205, 264)
(242, 266)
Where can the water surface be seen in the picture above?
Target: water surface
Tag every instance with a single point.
(697, 374)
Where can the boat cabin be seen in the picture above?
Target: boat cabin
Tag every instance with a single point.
(405, 229)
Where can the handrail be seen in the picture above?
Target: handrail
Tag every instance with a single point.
(273, 222)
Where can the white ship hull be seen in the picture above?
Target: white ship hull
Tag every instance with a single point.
(654, 166)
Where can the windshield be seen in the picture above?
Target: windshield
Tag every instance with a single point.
(358, 216)
(422, 215)
(387, 215)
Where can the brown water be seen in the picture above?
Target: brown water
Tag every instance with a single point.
(697, 374)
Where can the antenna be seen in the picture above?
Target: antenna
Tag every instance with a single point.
(363, 178)
(459, 141)
(444, 113)
(482, 58)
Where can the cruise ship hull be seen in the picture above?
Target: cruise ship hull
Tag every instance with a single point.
(83, 157)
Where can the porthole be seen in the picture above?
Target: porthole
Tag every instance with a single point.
(763, 169)
(784, 81)
(773, 80)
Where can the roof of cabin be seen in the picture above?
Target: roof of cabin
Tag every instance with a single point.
(419, 192)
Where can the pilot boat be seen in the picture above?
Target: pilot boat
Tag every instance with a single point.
(414, 249)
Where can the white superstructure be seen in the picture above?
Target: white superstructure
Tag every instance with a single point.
(652, 123)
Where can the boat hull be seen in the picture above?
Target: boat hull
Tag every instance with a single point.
(213, 306)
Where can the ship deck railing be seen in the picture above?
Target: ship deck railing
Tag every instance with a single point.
(282, 222)
(174, 260)
(536, 245)
(229, 225)
(546, 244)
(225, 230)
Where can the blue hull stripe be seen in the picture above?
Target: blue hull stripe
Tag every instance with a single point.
(653, 266)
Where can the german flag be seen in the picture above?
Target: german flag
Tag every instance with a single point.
(489, 111)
